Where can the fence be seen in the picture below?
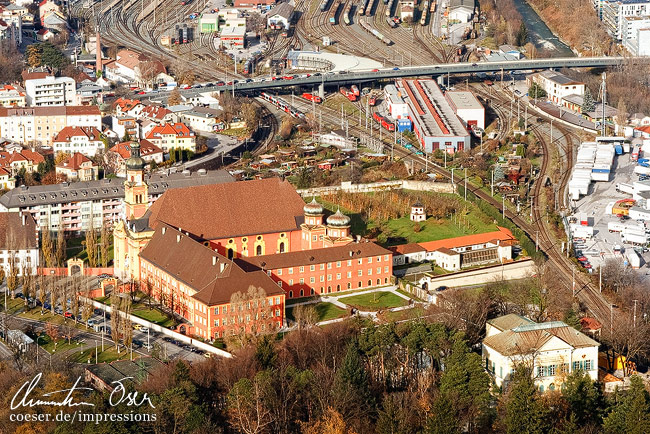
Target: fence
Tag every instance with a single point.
(349, 187)
(165, 331)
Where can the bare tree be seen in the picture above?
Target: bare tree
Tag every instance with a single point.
(60, 254)
(42, 294)
(125, 322)
(250, 315)
(115, 318)
(628, 337)
(12, 276)
(305, 315)
(27, 281)
(104, 246)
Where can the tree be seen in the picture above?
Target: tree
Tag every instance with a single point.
(52, 56)
(52, 178)
(125, 322)
(631, 412)
(331, 422)
(251, 114)
(33, 54)
(251, 303)
(588, 102)
(522, 35)
(116, 318)
(536, 91)
(42, 293)
(585, 398)
(524, 410)
(27, 282)
(47, 247)
(12, 276)
(60, 254)
(91, 244)
(105, 245)
(351, 386)
(621, 113)
(247, 407)
(443, 418)
(174, 97)
(305, 315)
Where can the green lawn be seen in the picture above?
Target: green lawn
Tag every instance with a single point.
(434, 229)
(108, 355)
(154, 315)
(402, 315)
(325, 311)
(374, 300)
(61, 345)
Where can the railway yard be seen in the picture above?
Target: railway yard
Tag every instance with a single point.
(369, 29)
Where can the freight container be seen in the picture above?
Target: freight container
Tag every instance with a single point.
(637, 213)
(403, 125)
(640, 170)
(626, 147)
(634, 259)
(600, 175)
(634, 229)
(634, 239)
(625, 188)
(615, 226)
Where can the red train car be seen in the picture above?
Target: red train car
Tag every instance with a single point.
(309, 97)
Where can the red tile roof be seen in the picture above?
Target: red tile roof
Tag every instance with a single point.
(67, 133)
(214, 277)
(502, 234)
(644, 129)
(178, 129)
(155, 112)
(146, 148)
(6, 158)
(75, 161)
(404, 249)
(126, 104)
(230, 209)
(590, 324)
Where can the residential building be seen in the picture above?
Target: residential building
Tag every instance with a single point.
(552, 350)
(336, 138)
(104, 377)
(467, 107)
(50, 91)
(41, 124)
(201, 118)
(86, 140)
(132, 67)
(280, 16)
(148, 151)
(614, 13)
(78, 167)
(435, 123)
(44, 35)
(408, 253)
(556, 85)
(156, 113)
(13, 16)
(75, 204)
(128, 107)
(26, 159)
(18, 242)
(124, 126)
(7, 181)
(9, 35)
(172, 136)
(406, 8)
(88, 92)
(12, 96)
(200, 284)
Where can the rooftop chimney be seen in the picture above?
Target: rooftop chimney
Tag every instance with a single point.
(214, 260)
(24, 219)
(178, 238)
(223, 266)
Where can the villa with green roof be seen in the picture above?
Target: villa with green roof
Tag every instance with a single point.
(552, 349)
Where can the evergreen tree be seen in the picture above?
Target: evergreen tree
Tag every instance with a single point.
(351, 383)
(525, 412)
(631, 413)
(584, 397)
(443, 419)
(588, 102)
(522, 35)
(536, 91)
(265, 353)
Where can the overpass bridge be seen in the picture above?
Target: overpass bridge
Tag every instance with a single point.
(341, 78)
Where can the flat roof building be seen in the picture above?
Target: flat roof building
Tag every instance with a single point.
(434, 121)
(468, 108)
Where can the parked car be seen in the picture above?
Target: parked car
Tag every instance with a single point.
(68, 315)
(47, 306)
(144, 329)
(137, 326)
(441, 288)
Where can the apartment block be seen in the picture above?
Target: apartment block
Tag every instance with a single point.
(50, 91)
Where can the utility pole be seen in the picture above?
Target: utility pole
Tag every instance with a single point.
(465, 184)
(503, 206)
(492, 185)
(635, 315)
(600, 277)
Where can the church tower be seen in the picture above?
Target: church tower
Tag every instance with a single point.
(313, 230)
(136, 191)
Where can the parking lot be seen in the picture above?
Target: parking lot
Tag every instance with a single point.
(602, 246)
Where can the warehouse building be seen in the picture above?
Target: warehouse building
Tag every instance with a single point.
(467, 107)
(434, 121)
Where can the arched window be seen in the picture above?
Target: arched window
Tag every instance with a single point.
(329, 289)
(231, 253)
(282, 247)
(378, 281)
(312, 291)
(338, 288)
(359, 284)
(369, 282)
(258, 250)
(349, 285)
(290, 294)
(302, 292)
